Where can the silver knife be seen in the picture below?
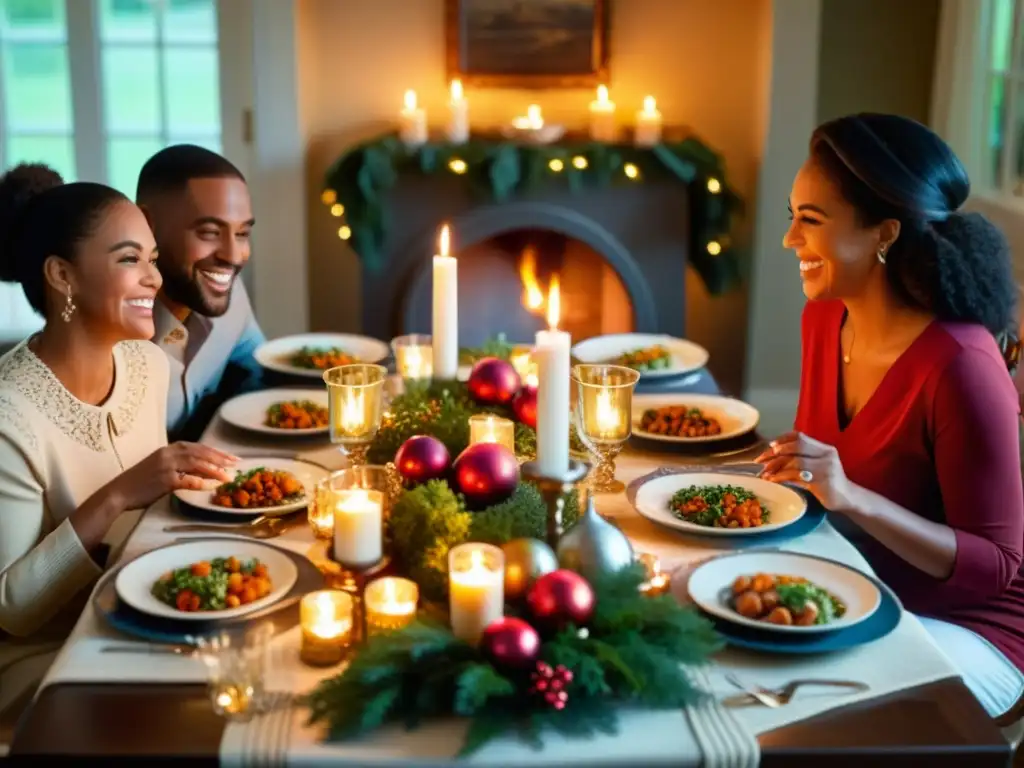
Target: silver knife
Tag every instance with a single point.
(148, 648)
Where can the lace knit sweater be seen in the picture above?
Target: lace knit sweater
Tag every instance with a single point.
(55, 452)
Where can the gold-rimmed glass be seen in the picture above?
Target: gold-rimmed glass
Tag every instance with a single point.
(602, 412)
(371, 477)
(355, 396)
(414, 356)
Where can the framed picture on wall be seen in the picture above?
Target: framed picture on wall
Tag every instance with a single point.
(527, 43)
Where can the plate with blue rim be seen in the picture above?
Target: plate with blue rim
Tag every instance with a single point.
(812, 517)
(283, 613)
(883, 620)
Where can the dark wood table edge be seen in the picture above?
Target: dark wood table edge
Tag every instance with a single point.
(849, 735)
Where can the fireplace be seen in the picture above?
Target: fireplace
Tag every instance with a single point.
(619, 254)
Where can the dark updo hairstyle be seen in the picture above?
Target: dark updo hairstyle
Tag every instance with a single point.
(41, 216)
(953, 264)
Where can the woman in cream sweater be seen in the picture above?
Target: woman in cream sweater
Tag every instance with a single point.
(82, 408)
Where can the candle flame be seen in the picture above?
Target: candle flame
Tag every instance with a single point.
(444, 241)
(533, 297)
(456, 90)
(650, 105)
(533, 116)
(476, 560)
(353, 411)
(602, 94)
(390, 595)
(410, 100)
(554, 303)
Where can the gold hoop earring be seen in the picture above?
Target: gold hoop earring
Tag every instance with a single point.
(69, 309)
(881, 255)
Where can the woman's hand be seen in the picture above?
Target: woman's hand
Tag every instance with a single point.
(802, 460)
(178, 466)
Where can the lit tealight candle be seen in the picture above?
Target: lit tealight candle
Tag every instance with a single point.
(458, 120)
(476, 588)
(321, 512)
(551, 354)
(326, 620)
(609, 420)
(533, 121)
(487, 428)
(390, 604)
(412, 122)
(445, 334)
(648, 124)
(658, 582)
(602, 117)
(414, 356)
(358, 527)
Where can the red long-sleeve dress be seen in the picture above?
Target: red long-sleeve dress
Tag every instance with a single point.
(939, 437)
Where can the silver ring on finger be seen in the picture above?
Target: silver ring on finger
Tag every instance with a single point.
(806, 475)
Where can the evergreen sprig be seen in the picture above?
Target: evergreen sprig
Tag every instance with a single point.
(633, 652)
(427, 521)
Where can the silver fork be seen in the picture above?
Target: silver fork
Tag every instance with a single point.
(260, 528)
(781, 696)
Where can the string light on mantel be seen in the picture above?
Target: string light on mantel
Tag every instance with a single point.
(579, 162)
(714, 247)
(556, 165)
(457, 165)
(344, 231)
(337, 209)
(714, 185)
(329, 197)
(631, 171)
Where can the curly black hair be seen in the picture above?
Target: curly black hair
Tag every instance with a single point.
(953, 264)
(41, 216)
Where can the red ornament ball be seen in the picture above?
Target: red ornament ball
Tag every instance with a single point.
(510, 643)
(559, 598)
(525, 406)
(422, 458)
(486, 474)
(493, 381)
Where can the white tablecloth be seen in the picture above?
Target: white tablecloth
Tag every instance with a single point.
(904, 659)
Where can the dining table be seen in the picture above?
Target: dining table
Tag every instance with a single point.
(918, 711)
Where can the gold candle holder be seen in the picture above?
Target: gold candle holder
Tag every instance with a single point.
(414, 356)
(390, 604)
(488, 428)
(476, 588)
(356, 405)
(326, 619)
(603, 415)
(371, 477)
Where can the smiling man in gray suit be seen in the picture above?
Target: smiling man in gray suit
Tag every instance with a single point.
(199, 208)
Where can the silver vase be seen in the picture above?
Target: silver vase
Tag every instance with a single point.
(594, 546)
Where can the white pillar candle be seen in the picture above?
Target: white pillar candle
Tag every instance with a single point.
(476, 589)
(445, 333)
(458, 119)
(552, 357)
(602, 117)
(358, 527)
(412, 122)
(648, 124)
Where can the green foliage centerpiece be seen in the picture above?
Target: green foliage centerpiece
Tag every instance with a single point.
(567, 665)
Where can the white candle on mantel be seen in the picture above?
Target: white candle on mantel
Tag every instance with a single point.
(412, 122)
(358, 527)
(602, 117)
(445, 332)
(551, 355)
(648, 124)
(458, 120)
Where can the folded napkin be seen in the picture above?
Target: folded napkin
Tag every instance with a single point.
(724, 741)
(89, 660)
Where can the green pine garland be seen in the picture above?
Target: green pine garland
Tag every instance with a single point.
(633, 652)
(427, 521)
(498, 170)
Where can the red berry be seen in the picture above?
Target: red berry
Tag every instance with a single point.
(551, 697)
(556, 684)
(541, 685)
(559, 705)
(567, 676)
(562, 696)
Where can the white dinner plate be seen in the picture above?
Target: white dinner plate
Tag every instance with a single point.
(686, 356)
(276, 355)
(249, 411)
(710, 587)
(785, 506)
(736, 417)
(308, 474)
(134, 582)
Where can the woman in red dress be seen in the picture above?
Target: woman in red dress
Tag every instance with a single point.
(907, 424)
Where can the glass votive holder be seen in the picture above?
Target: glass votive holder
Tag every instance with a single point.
(236, 664)
(356, 404)
(371, 477)
(326, 620)
(522, 360)
(476, 588)
(658, 582)
(603, 416)
(390, 604)
(488, 428)
(414, 356)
